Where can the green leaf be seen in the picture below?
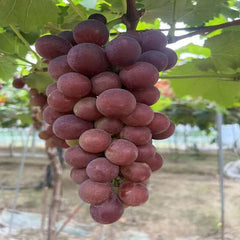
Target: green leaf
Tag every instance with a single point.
(190, 12)
(161, 104)
(10, 44)
(39, 80)
(144, 25)
(72, 17)
(208, 85)
(197, 50)
(225, 50)
(7, 67)
(25, 118)
(27, 14)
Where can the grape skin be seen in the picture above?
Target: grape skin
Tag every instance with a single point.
(51, 46)
(141, 116)
(50, 115)
(145, 152)
(137, 135)
(133, 194)
(70, 127)
(99, 17)
(123, 51)
(55, 141)
(18, 83)
(166, 134)
(95, 60)
(104, 81)
(38, 100)
(95, 140)
(91, 31)
(116, 103)
(159, 124)
(139, 75)
(102, 170)
(94, 192)
(59, 102)
(109, 211)
(110, 125)
(156, 58)
(68, 35)
(148, 96)
(86, 109)
(152, 40)
(172, 57)
(77, 157)
(136, 172)
(155, 162)
(121, 152)
(78, 175)
(58, 66)
(51, 88)
(74, 85)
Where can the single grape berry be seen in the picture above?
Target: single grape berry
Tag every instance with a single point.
(99, 17)
(91, 31)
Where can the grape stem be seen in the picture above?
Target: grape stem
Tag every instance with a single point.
(132, 16)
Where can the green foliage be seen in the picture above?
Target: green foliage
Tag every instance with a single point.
(225, 50)
(204, 72)
(193, 13)
(39, 80)
(27, 15)
(205, 84)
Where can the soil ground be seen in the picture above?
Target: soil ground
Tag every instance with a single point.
(184, 202)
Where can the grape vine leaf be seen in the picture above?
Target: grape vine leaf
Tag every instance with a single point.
(27, 14)
(10, 44)
(39, 80)
(225, 50)
(210, 87)
(7, 67)
(193, 13)
(196, 50)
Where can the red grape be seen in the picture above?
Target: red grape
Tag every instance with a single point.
(136, 172)
(108, 211)
(139, 75)
(86, 109)
(102, 170)
(74, 85)
(137, 135)
(95, 140)
(78, 175)
(77, 157)
(116, 103)
(133, 194)
(141, 116)
(94, 192)
(70, 127)
(121, 152)
(91, 31)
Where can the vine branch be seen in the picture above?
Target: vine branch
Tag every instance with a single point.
(202, 30)
(227, 77)
(25, 42)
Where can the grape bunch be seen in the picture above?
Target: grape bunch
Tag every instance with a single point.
(100, 107)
